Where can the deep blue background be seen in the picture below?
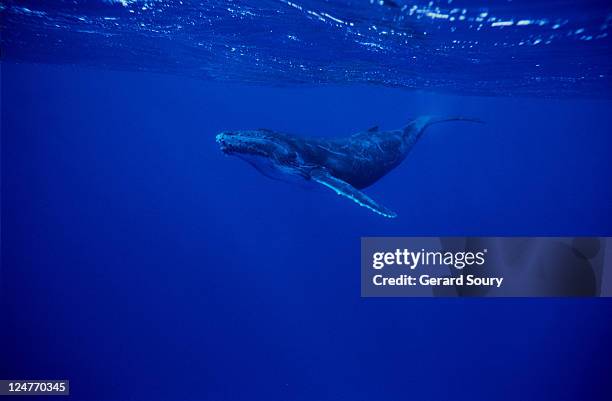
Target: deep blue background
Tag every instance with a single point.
(140, 263)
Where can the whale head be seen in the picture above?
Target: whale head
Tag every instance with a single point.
(260, 143)
(268, 151)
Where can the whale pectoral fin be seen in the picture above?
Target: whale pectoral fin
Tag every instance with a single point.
(345, 189)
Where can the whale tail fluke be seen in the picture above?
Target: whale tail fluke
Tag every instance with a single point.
(416, 127)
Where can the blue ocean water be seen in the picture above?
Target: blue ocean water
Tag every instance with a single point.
(141, 263)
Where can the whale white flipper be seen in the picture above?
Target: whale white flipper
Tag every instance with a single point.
(345, 189)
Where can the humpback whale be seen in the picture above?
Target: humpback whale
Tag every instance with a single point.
(345, 165)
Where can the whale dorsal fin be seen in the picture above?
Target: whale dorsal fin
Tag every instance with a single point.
(369, 131)
(345, 189)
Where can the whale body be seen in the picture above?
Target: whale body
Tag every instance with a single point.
(345, 165)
